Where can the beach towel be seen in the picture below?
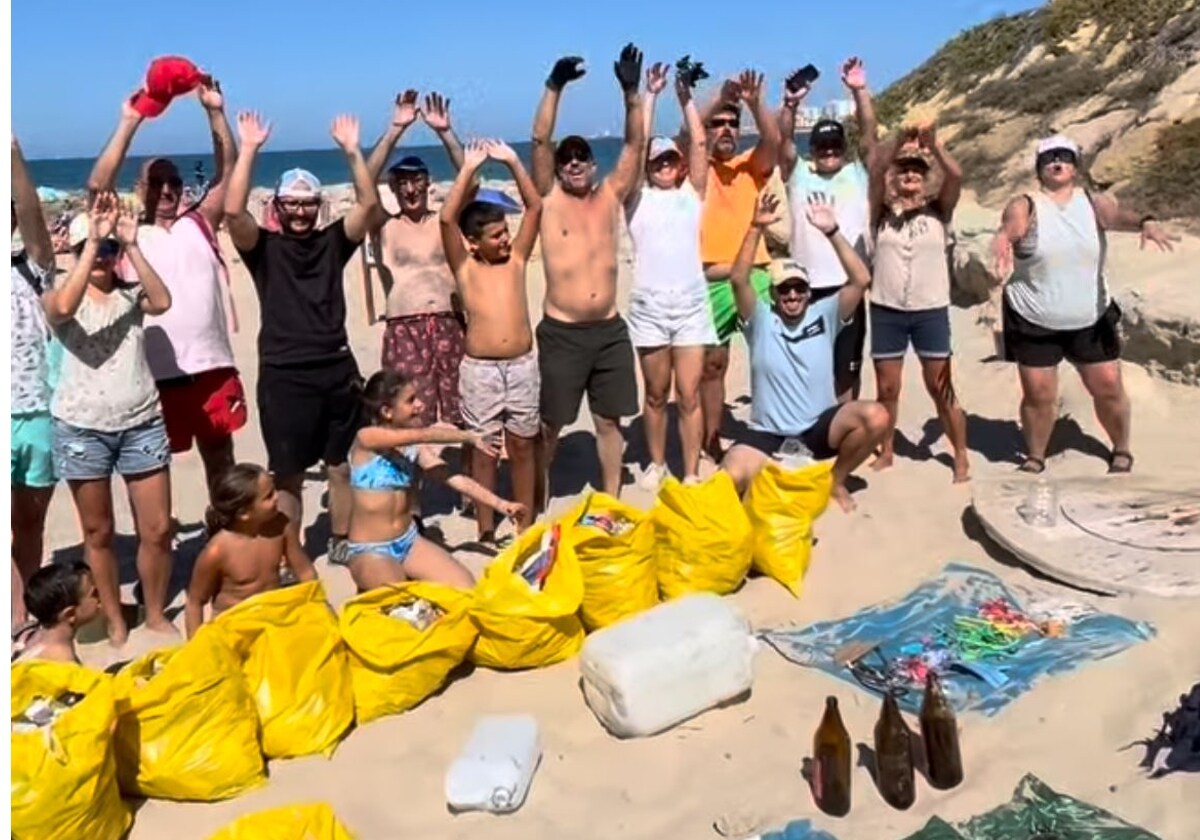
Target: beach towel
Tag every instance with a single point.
(989, 645)
(782, 505)
(615, 546)
(1036, 812)
(395, 664)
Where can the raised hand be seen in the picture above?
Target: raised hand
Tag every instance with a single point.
(345, 131)
(501, 151)
(252, 129)
(794, 89)
(474, 154)
(854, 74)
(102, 216)
(1002, 256)
(436, 112)
(766, 212)
(628, 68)
(689, 73)
(127, 224)
(210, 96)
(750, 84)
(1153, 232)
(404, 112)
(566, 69)
(927, 135)
(821, 214)
(656, 78)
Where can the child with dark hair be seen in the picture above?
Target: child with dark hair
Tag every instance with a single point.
(498, 379)
(384, 546)
(62, 598)
(249, 539)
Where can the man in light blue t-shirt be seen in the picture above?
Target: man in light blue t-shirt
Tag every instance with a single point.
(793, 398)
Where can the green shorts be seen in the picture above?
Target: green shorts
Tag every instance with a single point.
(32, 458)
(724, 308)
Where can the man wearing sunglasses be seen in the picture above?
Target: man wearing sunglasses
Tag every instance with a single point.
(734, 181)
(309, 387)
(583, 343)
(1057, 304)
(793, 403)
(188, 346)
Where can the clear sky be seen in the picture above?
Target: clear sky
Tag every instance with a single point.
(303, 61)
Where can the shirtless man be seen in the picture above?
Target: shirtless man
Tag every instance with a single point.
(424, 336)
(583, 344)
(734, 181)
(499, 377)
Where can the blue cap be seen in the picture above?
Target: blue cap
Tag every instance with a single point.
(409, 163)
(498, 198)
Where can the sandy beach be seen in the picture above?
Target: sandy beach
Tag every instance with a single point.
(743, 762)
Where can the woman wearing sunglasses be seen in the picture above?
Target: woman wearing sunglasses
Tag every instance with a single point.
(107, 416)
(910, 284)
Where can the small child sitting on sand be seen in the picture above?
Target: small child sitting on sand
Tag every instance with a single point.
(249, 541)
(62, 598)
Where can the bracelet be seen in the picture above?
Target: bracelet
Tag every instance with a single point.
(834, 232)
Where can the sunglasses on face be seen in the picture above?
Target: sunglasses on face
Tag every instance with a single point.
(107, 249)
(829, 149)
(1056, 156)
(574, 156)
(799, 287)
(295, 205)
(724, 122)
(174, 182)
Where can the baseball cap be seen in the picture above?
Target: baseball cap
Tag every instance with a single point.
(409, 164)
(77, 233)
(827, 133)
(1054, 144)
(166, 78)
(298, 183)
(783, 270)
(498, 198)
(660, 146)
(569, 145)
(914, 154)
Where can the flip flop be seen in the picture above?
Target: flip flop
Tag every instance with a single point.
(1120, 455)
(1032, 466)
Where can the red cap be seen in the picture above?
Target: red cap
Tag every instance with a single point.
(168, 77)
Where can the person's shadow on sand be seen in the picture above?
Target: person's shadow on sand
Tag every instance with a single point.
(999, 441)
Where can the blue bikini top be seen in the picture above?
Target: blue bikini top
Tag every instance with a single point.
(386, 473)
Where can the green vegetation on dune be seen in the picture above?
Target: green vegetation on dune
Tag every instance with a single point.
(1169, 186)
(1117, 19)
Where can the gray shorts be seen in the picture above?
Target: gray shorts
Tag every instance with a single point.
(88, 454)
(500, 394)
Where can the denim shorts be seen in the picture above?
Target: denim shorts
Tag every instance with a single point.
(892, 330)
(88, 454)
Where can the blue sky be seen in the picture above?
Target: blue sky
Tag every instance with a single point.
(302, 62)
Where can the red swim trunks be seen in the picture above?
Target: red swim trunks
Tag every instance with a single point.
(207, 407)
(428, 349)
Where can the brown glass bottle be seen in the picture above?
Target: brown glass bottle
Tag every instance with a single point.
(893, 756)
(939, 730)
(831, 762)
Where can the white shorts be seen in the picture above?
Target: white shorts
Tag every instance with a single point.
(668, 319)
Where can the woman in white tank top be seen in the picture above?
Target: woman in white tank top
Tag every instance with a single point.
(669, 320)
(1056, 303)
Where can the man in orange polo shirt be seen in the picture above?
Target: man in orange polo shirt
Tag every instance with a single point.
(734, 182)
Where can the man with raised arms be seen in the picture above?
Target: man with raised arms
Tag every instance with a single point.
(583, 343)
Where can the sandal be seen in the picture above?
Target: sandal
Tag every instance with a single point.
(1032, 465)
(1120, 461)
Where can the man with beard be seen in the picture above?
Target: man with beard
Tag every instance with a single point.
(309, 387)
(188, 346)
(583, 343)
(734, 181)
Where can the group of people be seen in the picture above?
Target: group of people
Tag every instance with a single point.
(142, 323)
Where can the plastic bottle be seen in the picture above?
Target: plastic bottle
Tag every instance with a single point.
(1041, 504)
(893, 756)
(495, 768)
(939, 730)
(831, 762)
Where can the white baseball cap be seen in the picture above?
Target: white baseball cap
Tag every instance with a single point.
(77, 234)
(660, 146)
(298, 183)
(1058, 141)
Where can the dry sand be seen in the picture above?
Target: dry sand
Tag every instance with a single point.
(743, 762)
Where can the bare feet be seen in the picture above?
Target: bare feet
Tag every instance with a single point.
(117, 636)
(882, 462)
(842, 496)
(962, 468)
(162, 626)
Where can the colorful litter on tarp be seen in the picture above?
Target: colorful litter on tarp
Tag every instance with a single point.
(988, 646)
(1036, 812)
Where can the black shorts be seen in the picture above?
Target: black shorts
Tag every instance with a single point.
(849, 344)
(592, 356)
(815, 437)
(309, 413)
(1031, 345)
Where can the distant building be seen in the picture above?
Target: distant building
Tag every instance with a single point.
(807, 117)
(838, 109)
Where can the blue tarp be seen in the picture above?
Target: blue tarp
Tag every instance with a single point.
(959, 590)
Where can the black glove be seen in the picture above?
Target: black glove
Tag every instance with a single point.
(629, 68)
(565, 70)
(690, 73)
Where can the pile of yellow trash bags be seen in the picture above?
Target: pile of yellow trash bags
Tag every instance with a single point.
(281, 675)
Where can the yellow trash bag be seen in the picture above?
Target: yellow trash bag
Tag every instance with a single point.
(64, 776)
(704, 537)
(782, 506)
(619, 577)
(520, 627)
(296, 667)
(315, 821)
(394, 665)
(187, 727)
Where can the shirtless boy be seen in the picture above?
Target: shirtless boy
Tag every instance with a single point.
(499, 378)
(424, 336)
(62, 598)
(250, 539)
(583, 343)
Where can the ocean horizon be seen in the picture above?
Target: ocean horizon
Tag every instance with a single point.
(329, 165)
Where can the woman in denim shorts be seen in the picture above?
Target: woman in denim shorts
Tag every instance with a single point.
(106, 412)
